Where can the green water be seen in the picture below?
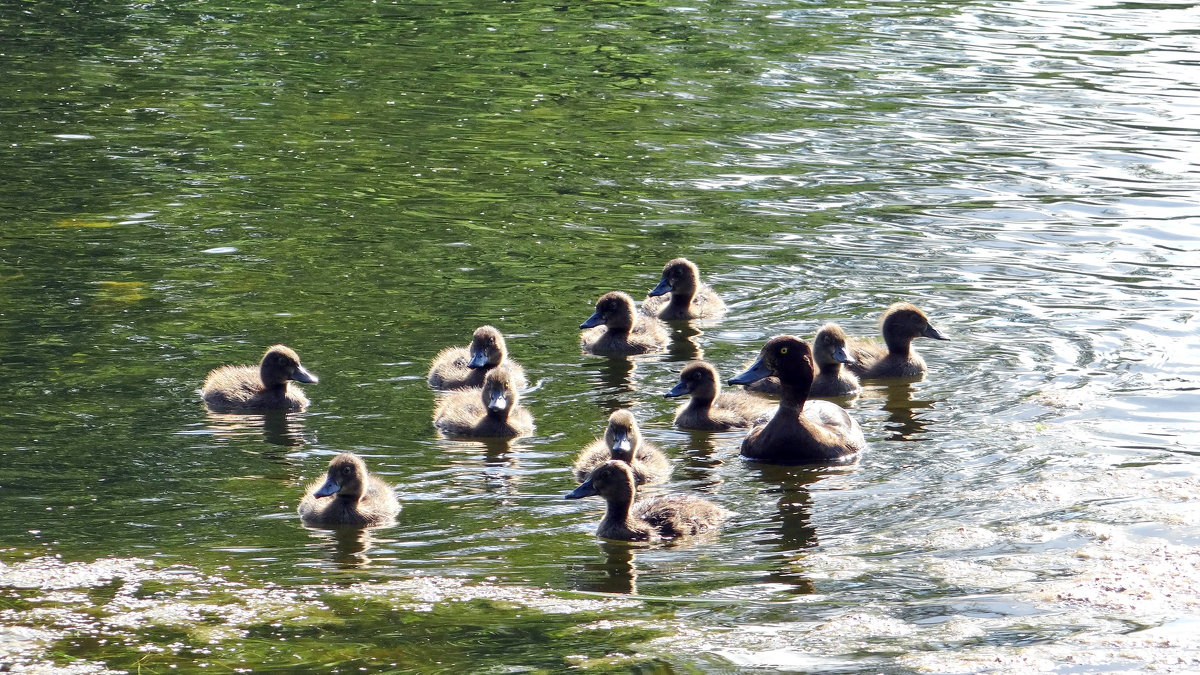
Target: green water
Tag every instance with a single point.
(184, 185)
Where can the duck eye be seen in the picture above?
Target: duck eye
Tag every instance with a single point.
(783, 350)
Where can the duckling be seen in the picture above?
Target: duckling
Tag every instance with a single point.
(267, 387)
(661, 517)
(690, 298)
(458, 367)
(711, 409)
(623, 332)
(902, 323)
(623, 440)
(829, 353)
(359, 497)
(800, 432)
(492, 411)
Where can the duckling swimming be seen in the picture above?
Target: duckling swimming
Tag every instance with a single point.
(661, 517)
(689, 297)
(902, 323)
(267, 387)
(829, 353)
(801, 432)
(458, 367)
(623, 441)
(623, 332)
(492, 411)
(359, 498)
(710, 409)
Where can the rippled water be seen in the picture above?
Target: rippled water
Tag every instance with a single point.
(183, 186)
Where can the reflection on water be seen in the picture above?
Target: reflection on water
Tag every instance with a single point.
(278, 427)
(614, 570)
(347, 547)
(905, 421)
(685, 342)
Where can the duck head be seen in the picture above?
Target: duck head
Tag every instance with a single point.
(614, 310)
(487, 348)
(903, 322)
(499, 394)
(345, 477)
(622, 436)
(698, 379)
(679, 276)
(612, 480)
(829, 346)
(787, 357)
(281, 364)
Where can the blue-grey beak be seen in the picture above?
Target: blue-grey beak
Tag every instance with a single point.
(757, 371)
(621, 443)
(593, 320)
(681, 389)
(586, 489)
(842, 356)
(302, 375)
(329, 488)
(497, 402)
(931, 332)
(478, 360)
(662, 288)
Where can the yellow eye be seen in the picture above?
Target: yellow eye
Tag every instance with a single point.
(783, 350)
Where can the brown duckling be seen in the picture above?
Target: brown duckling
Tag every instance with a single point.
(829, 353)
(458, 367)
(801, 432)
(689, 297)
(623, 441)
(491, 411)
(710, 409)
(359, 497)
(267, 387)
(622, 332)
(660, 517)
(902, 323)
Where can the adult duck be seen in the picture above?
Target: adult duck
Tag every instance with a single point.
(680, 294)
(901, 324)
(623, 441)
(801, 431)
(710, 409)
(267, 386)
(457, 367)
(348, 495)
(615, 329)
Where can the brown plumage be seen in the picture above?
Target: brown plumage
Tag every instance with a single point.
(710, 409)
(615, 329)
(458, 367)
(623, 441)
(829, 353)
(490, 411)
(801, 432)
(348, 495)
(901, 324)
(264, 387)
(661, 517)
(689, 298)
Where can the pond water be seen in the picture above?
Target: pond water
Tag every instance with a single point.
(186, 184)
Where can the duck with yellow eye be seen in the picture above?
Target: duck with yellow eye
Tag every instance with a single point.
(265, 387)
(658, 518)
(623, 441)
(711, 409)
(689, 298)
(801, 431)
(348, 495)
(458, 367)
(902, 323)
(615, 329)
(491, 411)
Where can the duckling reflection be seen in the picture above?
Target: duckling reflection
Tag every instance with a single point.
(349, 544)
(278, 427)
(265, 387)
(612, 379)
(615, 573)
(905, 421)
(689, 297)
(684, 345)
(348, 494)
(459, 367)
(901, 324)
(499, 465)
(615, 329)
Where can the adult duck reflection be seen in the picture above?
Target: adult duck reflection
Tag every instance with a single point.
(791, 533)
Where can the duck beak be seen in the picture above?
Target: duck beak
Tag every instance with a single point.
(678, 390)
(662, 288)
(329, 488)
(302, 375)
(842, 356)
(931, 332)
(757, 371)
(584, 490)
(498, 402)
(478, 360)
(621, 443)
(592, 321)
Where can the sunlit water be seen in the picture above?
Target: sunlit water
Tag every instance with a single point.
(368, 183)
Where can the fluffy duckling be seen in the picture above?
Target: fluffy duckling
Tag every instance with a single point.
(902, 323)
(623, 441)
(661, 517)
(457, 367)
(359, 498)
(617, 330)
(492, 411)
(689, 297)
(711, 409)
(829, 353)
(267, 387)
(800, 432)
